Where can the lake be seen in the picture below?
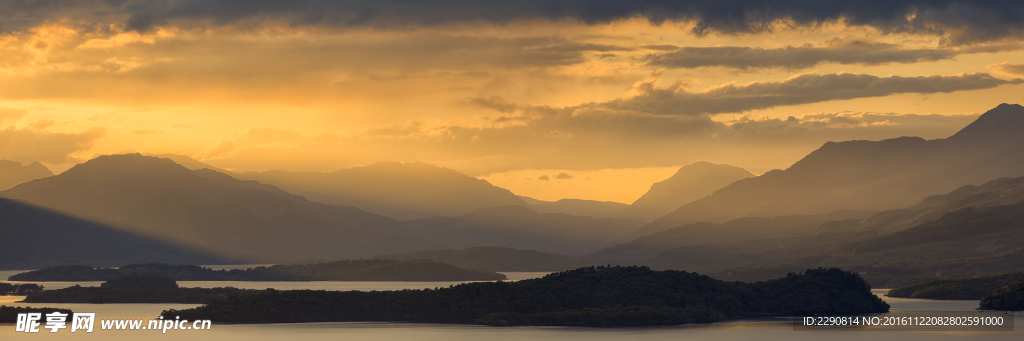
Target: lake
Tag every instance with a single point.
(778, 329)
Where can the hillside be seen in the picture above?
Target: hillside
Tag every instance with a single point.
(970, 231)
(399, 190)
(13, 173)
(35, 237)
(690, 183)
(246, 220)
(490, 258)
(709, 246)
(974, 288)
(519, 227)
(579, 207)
(869, 175)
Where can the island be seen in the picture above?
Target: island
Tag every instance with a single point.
(19, 289)
(601, 296)
(343, 270)
(10, 314)
(137, 289)
(1010, 297)
(973, 288)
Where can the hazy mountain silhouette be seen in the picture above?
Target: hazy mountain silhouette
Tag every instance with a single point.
(213, 212)
(190, 163)
(869, 175)
(743, 235)
(973, 230)
(690, 183)
(491, 258)
(399, 190)
(577, 207)
(1004, 191)
(969, 221)
(33, 237)
(13, 173)
(518, 227)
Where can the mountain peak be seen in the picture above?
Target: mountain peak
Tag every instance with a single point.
(13, 173)
(689, 183)
(133, 165)
(1002, 124)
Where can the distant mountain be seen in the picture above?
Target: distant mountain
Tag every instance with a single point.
(213, 212)
(403, 191)
(999, 192)
(34, 237)
(190, 163)
(518, 227)
(703, 246)
(491, 258)
(971, 231)
(580, 207)
(869, 175)
(533, 201)
(13, 173)
(690, 183)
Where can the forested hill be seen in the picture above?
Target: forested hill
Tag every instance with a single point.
(602, 296)
(974, 288)
(344, 270)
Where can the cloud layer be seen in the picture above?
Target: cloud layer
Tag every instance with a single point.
(799, 89)
(961, 21)
(26, 145)
(799, 57)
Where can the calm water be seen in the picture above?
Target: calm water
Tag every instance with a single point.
(736, 330)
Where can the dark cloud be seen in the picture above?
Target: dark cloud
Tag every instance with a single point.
(543, 178)
(800, 89)
(799, 57)
(563, 176)
(961, 21)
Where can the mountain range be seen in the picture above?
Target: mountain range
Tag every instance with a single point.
(210, 211)
(402, 191)
(973, 230)
(578, 207)
(868, 175)
(519, 227)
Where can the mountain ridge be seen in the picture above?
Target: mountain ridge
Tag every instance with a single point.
(14, 173)
(865, 175)
(162, 199)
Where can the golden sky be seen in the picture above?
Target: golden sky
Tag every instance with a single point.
(614, 95)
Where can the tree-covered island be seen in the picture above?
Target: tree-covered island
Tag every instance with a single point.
(600, 297)
(343, 270)
(137, 289)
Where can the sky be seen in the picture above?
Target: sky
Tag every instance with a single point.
(549, 99)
